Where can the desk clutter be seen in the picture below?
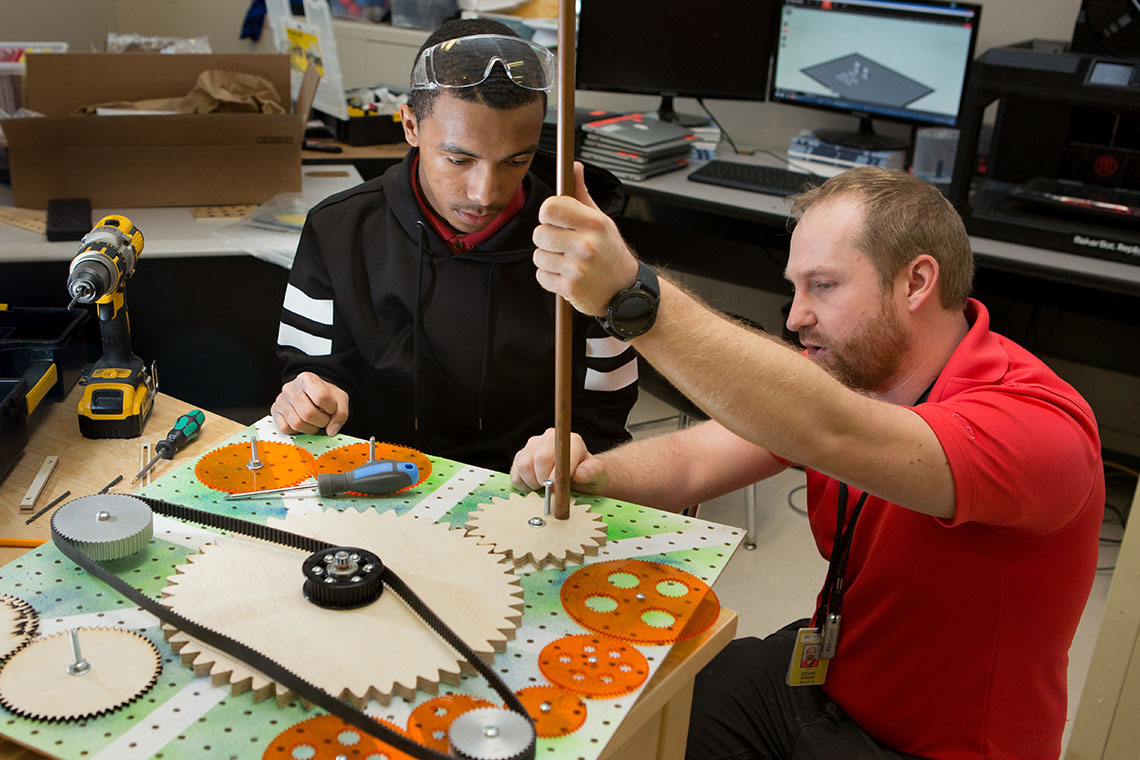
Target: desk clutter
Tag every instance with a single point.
(636, 146)
(574, 629)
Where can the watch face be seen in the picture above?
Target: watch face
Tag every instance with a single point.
(632, 313)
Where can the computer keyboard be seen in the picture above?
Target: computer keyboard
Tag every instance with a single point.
(756, 178)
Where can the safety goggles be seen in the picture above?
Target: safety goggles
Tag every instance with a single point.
(468, 61)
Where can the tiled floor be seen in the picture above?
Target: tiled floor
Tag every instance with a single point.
(777, 582)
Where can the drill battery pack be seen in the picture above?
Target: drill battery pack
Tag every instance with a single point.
(116, 402)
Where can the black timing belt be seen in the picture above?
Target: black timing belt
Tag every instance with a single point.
(272, 668)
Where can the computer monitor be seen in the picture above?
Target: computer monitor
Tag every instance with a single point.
(904, 60)
(676, 48)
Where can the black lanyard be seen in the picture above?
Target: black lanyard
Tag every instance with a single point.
(831, 598)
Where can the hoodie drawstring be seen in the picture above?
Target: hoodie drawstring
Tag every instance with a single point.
(417, 327)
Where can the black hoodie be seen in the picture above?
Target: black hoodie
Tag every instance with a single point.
(449, 353)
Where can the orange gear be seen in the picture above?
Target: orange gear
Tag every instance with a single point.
(345, 458)
(640, 601)
(555, 712)
(429, 722)
(327, 737)
(282, 465)
(594, 666)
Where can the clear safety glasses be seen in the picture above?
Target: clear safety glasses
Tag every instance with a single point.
(468, 61)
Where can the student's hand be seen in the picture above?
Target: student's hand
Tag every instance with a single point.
(308, 403)
(534, 463)
(580, 253)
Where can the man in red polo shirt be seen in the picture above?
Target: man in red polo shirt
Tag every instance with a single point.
(955, 483)
(412, 312)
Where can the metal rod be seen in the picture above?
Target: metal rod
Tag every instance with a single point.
(55, 501)
(254, 462)
(78, 665)
(546, 504)
(247, 494)
(371, 449)
(563, 312)
(111, 485)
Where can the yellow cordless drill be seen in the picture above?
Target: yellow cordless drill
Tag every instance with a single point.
(118, 393)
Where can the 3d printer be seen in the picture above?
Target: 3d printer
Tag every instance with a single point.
(1063, 166)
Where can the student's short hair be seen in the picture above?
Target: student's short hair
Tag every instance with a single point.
(498, 91)
(903, 218)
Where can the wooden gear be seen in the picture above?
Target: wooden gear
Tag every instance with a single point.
(282, 465)
(18, 624)
(506, 526)
(251, 591)
(35, 682)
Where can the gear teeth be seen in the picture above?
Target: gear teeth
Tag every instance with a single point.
(509, 527)
(593, 666)
(283, 465)
(21, 626)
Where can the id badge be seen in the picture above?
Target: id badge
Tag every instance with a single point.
(808, 667)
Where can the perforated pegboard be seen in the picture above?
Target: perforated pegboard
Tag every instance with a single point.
(187, 717)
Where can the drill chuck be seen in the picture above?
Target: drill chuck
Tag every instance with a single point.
(91, 279)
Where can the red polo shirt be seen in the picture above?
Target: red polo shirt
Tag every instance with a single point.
(956, 633)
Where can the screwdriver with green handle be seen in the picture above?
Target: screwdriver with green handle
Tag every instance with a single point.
(378, 478)
(185, 430)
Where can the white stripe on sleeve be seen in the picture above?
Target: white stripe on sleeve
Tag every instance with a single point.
(317, 310)
(604, 348)
(313, 345)
(614, 380)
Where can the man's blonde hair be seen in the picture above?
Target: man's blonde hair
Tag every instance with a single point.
(903, 218)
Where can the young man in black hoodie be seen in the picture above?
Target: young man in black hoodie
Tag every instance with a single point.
(412, 311)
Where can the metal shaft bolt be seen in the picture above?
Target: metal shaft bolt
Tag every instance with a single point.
(78, 666)
(549, 483)
(254, 462)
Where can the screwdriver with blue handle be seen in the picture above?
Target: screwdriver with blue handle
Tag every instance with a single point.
(185, 430)
(378, 478)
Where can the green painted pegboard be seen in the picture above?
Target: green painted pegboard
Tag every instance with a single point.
(187, 717)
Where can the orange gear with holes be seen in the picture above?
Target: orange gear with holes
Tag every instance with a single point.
(330, 738)
(594, 666)
(555, 712)
(282, 465)
(429, 722)
(345, 458)
(640, 601)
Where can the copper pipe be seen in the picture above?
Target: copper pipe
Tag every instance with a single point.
(563, 312)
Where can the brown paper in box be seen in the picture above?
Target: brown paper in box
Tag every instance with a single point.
(127, 161)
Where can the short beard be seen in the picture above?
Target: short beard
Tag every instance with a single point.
(869, 360)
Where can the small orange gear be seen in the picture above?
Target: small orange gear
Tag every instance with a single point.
(282, 465)
(555, 712)
(640, 601)
(429, 722)
(345, 458)
(327, 737)
(594, 666)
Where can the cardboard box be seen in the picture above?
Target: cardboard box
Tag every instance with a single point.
(128, 161)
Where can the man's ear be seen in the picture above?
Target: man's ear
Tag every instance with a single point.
(921, 280)
(411, 126)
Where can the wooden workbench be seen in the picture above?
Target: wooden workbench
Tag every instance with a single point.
(654, 728)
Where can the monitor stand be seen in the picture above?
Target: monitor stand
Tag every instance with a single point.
(666, 113)
(865, 138)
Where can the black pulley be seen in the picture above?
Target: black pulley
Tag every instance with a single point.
(343, 577)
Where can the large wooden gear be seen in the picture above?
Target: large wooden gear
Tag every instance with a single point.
(35, 682)
(251, 591)
(518, 529)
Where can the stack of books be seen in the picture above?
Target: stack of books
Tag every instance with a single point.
(808, 147)
(706, 139)
(636, 146)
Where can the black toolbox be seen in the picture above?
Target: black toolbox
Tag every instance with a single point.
(13, 422)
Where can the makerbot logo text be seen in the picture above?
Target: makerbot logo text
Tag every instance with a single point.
(1107, 245)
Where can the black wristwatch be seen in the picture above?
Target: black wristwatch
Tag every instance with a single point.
(634, 310)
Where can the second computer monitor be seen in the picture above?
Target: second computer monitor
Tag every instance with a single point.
(900, 60)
